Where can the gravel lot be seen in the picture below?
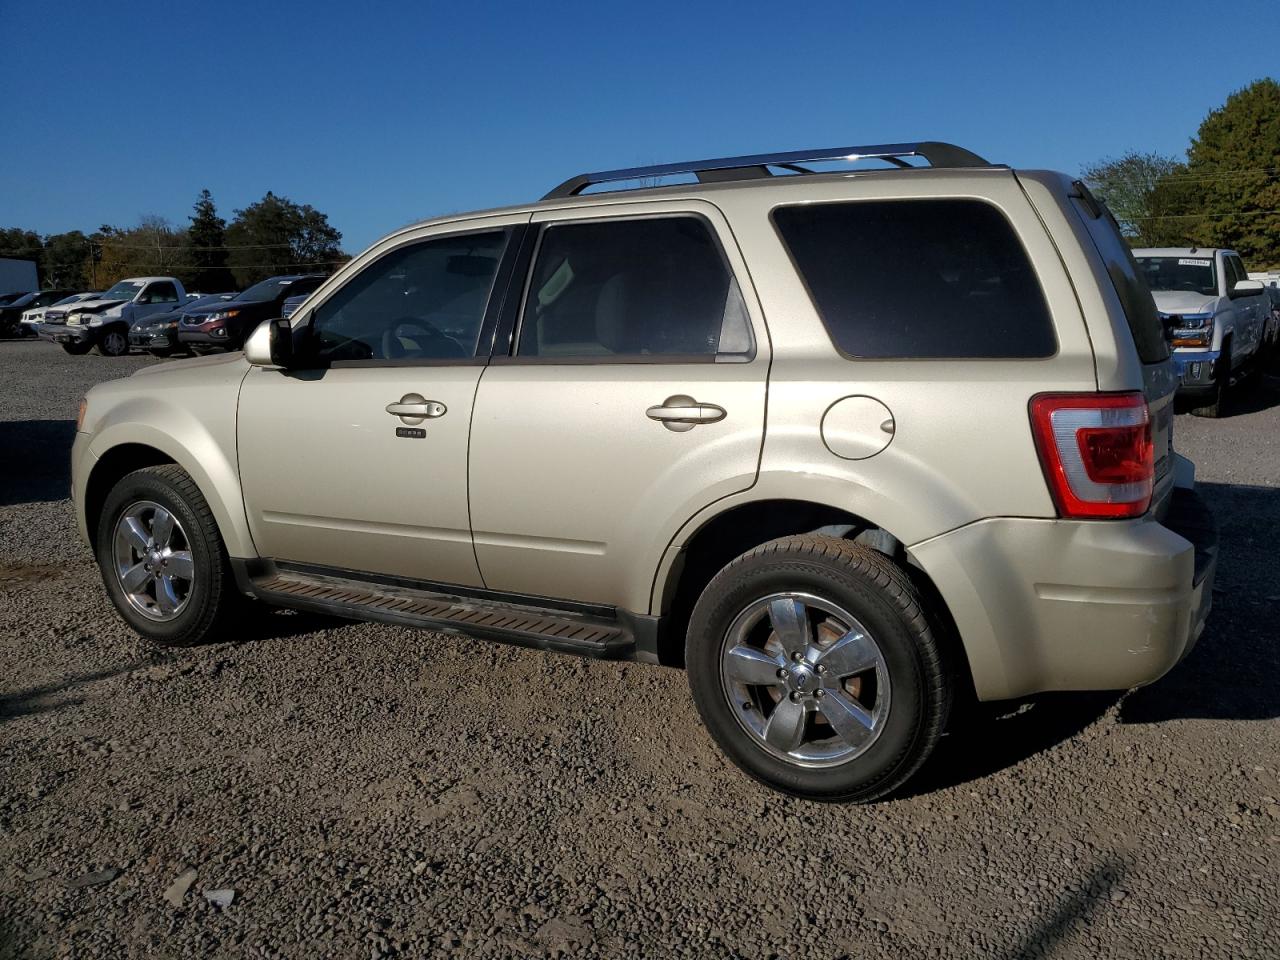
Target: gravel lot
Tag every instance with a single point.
(372, 791)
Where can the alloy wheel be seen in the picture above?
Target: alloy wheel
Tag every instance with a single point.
(805, 679)
(153, 562)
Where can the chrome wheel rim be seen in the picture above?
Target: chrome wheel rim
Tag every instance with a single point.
(805, 679)
(152, 559)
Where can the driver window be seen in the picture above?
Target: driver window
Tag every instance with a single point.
(425, 301)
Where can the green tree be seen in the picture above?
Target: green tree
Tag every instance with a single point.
(1128, 185)
(276, 235)
(152, 248)
(207, 249)
(1233, 169)
(67, 261)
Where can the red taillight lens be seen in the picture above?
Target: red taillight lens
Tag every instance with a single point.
(1097, 452)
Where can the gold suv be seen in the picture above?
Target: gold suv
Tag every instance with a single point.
(845, 443)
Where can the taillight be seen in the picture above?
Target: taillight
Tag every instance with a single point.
(1097, 452)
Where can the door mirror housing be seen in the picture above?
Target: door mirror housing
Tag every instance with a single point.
(1247, 288)
(270, 344)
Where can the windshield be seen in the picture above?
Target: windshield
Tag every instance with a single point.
(23, 300)
(1189, 274)
(124, 290)
(267, 289)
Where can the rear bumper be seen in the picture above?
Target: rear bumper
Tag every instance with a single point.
(1076, 605)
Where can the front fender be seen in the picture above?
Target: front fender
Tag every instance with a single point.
(203, 446)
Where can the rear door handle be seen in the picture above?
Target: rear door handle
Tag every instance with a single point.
(681, 413)
(413, 408)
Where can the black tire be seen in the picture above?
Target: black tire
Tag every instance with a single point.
(1222, 384)
(77, 349)
(880, 596)
(113, 343)
(212, 600)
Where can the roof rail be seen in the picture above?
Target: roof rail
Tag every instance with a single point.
(757, 165)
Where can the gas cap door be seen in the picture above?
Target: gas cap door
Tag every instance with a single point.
(855, 428)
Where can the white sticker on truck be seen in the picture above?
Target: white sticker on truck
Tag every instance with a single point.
(1188, 262)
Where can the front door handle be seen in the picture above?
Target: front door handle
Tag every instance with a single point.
(681, 413)
(413, 408)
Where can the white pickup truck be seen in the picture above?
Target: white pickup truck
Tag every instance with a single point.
(104, 321)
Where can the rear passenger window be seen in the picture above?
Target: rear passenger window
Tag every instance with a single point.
(919, 279)
(629, 289)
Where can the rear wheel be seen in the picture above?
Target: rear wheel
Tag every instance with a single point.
(77, 349)
(162, 560)
(815, 669)
(113, 343)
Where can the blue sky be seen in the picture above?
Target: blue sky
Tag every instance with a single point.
(384, 113)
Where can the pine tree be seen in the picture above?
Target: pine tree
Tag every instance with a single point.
(207, 248)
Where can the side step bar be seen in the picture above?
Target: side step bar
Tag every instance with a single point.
(530, 626)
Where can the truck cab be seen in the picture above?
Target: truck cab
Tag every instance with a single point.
(1215, 316)
(104, 321)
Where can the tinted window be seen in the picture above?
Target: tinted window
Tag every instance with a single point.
(919, 278)
(632, 288)
(424, 301)
(163, 292)
(1135, 296)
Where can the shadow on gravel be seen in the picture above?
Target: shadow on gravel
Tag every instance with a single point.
(1234, 671)
(993, 736)
(23, 702)
(1080, 904)
(41, 449)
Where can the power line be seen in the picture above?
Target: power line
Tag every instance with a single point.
(1204, 216)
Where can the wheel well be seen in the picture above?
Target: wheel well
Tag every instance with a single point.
(731, 534)
(734, 532)
(114, 464)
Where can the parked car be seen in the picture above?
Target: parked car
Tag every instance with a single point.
(1216, 318)
(8, 298)
(547, 425)
(104, 323)
(33, 316)
(11, 313)
(1272, 337)
(158, 334)
(291, 305)
(225, 326)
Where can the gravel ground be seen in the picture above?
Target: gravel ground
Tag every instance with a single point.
(368, 791)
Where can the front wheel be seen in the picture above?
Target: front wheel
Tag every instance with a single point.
(162, 560)
(113, 343)
(815, 669)
(1216, 408)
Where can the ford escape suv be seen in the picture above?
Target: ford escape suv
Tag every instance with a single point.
(846, 443)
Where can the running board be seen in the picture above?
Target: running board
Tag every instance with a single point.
(529, 626)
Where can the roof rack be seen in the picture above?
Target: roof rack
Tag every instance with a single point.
(757, 165)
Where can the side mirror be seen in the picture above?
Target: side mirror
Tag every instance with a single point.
(270, 344)
(1247, 288)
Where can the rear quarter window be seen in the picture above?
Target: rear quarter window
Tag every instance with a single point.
(919, 279)
(1126, 277)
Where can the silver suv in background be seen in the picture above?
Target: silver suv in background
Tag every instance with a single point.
(1217, 319)
(847, 445)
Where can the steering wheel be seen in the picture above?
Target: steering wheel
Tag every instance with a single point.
(433, 343)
